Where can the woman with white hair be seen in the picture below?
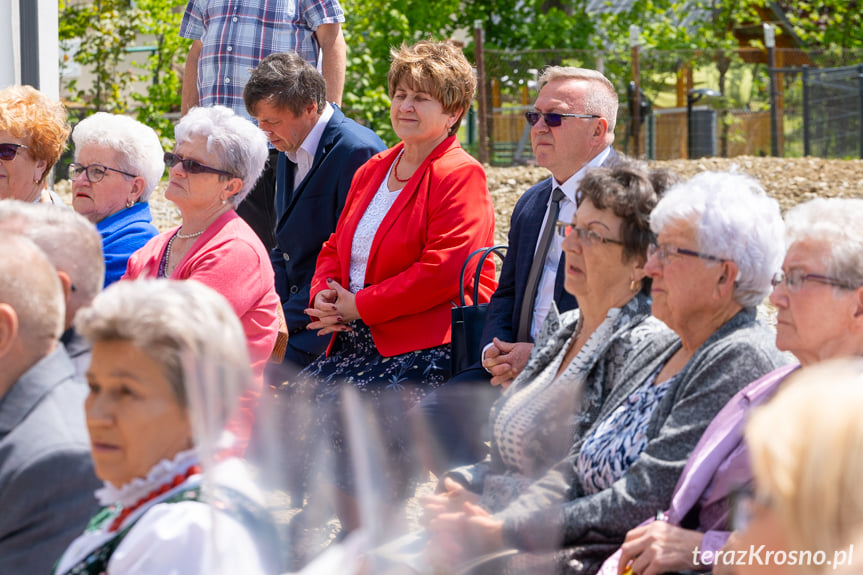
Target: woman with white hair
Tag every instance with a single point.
(118, 163)
(168, 369)
(818, 297)
(217, 159)
(719, 241)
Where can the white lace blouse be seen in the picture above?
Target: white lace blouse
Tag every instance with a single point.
(365, 233)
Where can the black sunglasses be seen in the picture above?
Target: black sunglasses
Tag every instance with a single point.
(552, 119)
(192, 166)
(9, 151)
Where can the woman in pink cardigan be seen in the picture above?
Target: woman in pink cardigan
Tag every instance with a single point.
(216, 161)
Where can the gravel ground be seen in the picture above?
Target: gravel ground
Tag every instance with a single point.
(789, 180)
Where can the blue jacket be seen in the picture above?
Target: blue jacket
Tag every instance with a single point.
(124, 233)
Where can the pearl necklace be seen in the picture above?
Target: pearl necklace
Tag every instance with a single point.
(188, 236)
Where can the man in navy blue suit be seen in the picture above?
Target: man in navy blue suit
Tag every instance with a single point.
(572, 129)
(320, 151)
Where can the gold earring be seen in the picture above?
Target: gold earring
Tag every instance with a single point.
(129, 203)
(634, 286)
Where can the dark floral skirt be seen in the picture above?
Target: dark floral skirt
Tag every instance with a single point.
(387, 388)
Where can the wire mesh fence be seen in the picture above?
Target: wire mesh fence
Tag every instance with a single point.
(702, 103)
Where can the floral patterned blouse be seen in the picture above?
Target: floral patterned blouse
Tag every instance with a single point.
(618, 440)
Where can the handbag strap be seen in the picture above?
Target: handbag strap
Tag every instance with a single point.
(498, 249)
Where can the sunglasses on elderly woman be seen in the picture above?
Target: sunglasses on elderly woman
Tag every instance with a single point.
(9, 151)
(192, 166)
(552, 119)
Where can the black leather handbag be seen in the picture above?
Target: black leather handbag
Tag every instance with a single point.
(468, 320)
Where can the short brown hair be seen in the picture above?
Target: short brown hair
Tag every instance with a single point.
(286, 81)
(29, 114)
(439, 68)
(630, 191)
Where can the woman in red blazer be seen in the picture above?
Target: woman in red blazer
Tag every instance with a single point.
(386, 280)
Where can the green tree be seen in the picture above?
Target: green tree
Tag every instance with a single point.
(106, 31)
(371, 30)
(161, 103)
(374, 27)
(835, 25)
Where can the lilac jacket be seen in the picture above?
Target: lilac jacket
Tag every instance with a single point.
(718, 465)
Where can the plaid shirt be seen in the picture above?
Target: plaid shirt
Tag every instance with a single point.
(238, 34)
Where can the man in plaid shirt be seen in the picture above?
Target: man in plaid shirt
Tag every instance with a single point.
(231, 37)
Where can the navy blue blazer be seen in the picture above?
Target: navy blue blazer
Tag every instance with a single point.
(306, 217)
(505, 306)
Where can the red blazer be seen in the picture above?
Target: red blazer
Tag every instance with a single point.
(443, 213)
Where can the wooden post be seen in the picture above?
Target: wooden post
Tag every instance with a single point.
(770, 44)
(482, 148)
(636, 77)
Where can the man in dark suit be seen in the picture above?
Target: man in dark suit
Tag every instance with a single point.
(321, 150)
(46, 472)
(572, 129)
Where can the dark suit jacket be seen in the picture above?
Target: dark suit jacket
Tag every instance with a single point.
(46, 473)
(310, 216)
(505, 307)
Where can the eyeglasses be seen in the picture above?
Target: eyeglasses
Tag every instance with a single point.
(662, 252)
(795, 279)
(192, 166)
(552, 119)
(585, 236)
(95, 172)
(745, 502)
(9, 151)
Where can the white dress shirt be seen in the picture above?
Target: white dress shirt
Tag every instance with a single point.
(545, 289)
(305, 155)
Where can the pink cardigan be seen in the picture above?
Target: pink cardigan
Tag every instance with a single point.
(229, 258)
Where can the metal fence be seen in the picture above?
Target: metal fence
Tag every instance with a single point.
(833, 112)
(702, 103)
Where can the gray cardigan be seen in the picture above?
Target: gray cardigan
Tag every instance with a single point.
(554, 512)
(633, 325)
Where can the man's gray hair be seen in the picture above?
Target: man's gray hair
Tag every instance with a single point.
(239, 145)
(603, 101)
(137, 146)
(69, 240)
(734, 219)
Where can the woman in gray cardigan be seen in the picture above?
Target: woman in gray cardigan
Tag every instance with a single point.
(719, 241)
(565, 380)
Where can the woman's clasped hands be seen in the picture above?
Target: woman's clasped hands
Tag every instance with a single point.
(333, 309)
(458, 528)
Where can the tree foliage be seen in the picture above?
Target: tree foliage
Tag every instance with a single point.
(537, 32)
(107, 30)
(836, 25)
